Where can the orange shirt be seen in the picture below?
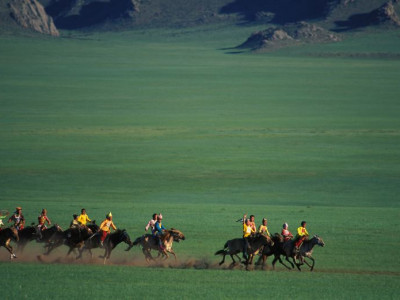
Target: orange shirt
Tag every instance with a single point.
(106, 224)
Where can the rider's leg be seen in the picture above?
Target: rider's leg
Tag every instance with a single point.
(245, 247)
(103, 237)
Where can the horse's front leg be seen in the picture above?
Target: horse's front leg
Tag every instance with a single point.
(173, 253)
(313, 262)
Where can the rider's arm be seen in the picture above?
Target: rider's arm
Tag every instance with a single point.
(113, 226)
(147, 226)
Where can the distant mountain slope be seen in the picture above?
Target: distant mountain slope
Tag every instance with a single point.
(29, 14)
(337, 15)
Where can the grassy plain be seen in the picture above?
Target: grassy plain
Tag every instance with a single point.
(174, 121)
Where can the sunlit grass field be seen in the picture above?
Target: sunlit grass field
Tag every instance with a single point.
(139, 122)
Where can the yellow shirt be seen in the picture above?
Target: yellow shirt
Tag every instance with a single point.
(263, 230)
(106, 224)
(247, 230)
(301, 231)
(83, 219)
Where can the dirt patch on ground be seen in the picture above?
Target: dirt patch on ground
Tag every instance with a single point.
(136, 260)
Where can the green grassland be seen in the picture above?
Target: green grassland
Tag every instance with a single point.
(174, 121)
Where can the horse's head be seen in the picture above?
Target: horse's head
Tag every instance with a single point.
(277, 238)
(318, 241)
(266, 240)
(123, 236)
(176, 234)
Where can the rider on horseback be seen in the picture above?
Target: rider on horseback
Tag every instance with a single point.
(263, 229)
(105, 228)
(42, 219)
(83, 218)
(287, 235)
(18, 219)
(302, 234)
(151, 224)
(159, 231)
(75, 223)
(248, 231)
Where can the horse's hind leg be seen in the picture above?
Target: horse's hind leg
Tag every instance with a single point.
(223, 259)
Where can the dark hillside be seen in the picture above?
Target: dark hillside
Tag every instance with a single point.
(77, 14)
(282, 11)
(383, 15)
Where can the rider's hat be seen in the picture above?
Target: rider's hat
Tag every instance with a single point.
(18, 208)
(159, 216)
(109, 215)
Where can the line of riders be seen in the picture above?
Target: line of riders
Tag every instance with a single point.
(250, 230)
(80, 223)
(83, 234)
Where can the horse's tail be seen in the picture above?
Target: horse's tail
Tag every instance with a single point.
(226, 245)
(137, 241)
(220, 252)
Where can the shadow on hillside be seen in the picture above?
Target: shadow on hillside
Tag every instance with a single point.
(356, 21)
(89, 14)
(279, 11)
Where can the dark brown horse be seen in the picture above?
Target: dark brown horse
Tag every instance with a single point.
(286, 249)
(73, 238)
(26, 235)
(276, 250)
(150, 242)
(111, 241)
(306, 250)
(5, 237)
(235, 246)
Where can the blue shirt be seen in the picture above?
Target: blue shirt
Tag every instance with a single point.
(159, 228)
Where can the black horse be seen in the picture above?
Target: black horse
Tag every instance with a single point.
(235, 246)
(5, 237)
(111, 241)
(286, 249)
(26, 235)
(73, 237)
(276, 250)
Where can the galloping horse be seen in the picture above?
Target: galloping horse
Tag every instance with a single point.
(111, 241)
(306, 250)
(276, 250)
(235, 246)
(25, 235)
(150, 242)
(5, 237)
(72, 237)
